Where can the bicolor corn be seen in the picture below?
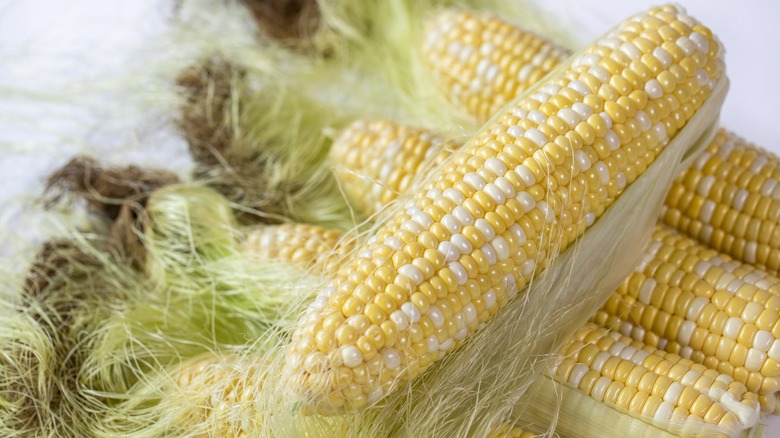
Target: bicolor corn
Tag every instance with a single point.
(482, 225)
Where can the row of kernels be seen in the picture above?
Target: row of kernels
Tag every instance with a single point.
(304, 246)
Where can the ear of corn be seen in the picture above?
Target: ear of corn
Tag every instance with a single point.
(484, 62)
(376, 160)
(478, 231)
(692, 301)
(730, 201)
(650, 383)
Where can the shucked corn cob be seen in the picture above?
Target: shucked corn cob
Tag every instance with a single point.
(658, 386)
(484, 62)
(479, 230)
(695, 302)
(730, 201)
(377, 160)
(304, 246)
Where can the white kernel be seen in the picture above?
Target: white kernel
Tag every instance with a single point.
(494, 192)
(768, 187)
(763, 340)
(606, 118)
(433, 344)
(662, 343)
(485, 228)
(612, 42)
(463, 216)
(589, 59)
(620, 179)
(702, 77)
(526, 201)
(664, 412)
(739, 199)
(446, 345)
(525, 72)
(569, 116)
(411, 312)
(755, 360)
(547, 212)
(540, 97)
(515, 131)
(461, 276)
(412, 272)
(528, 268)
(454, 195)
(612, 140)
(517, 230)
(660, 132)
(732, 327)
(490, 299)
(646, 290)
(411, 226)
(640, 356)
(653, 89)
(644, 120)
(537, 116)
(474, 180)
(583, 110)
(461, 243)
(482, 66)
(577, 373)
(490, 254)
(486, 49)
(701, 41)
(351, 356)
(449, 251)
(461, 334)
(391, 358)
(491, 73)
(551, 88)
(758, 164)
(470, 313)
(694, 310)
(454, 48)
(506, 187)
(451, 224)
(423, 219)
(701, 267)
(706, 211)
(662, 56)
(705, 185)
(686, 332)
(536, 136)
(579, 87)
(436, 316)
(686, 45)
(394, 243)
(582, 159)
(599, 73)
(496, 166)
(690, 377)
(434, 194)
(525, 175)
(628, 353)
(630, 50)
(501, 247)
(686, 352)
(603, 172)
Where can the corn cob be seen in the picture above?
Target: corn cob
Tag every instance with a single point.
(473, 236)
(221, 393)
(730, 201)
(690, 300)
(651, 383)
(304, 246)
(377, 160)
(484, 62)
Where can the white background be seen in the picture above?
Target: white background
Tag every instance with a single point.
(50, 48)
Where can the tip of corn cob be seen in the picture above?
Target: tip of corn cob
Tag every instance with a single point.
(468, 242)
